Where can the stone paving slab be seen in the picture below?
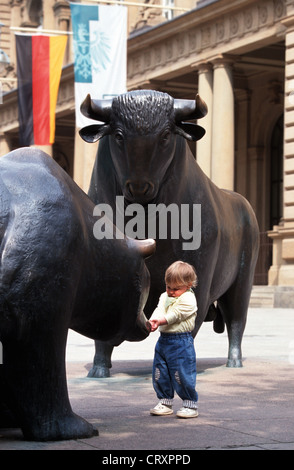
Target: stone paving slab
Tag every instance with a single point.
(250, 408)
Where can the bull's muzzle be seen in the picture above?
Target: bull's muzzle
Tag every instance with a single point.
(141, 329)
(140, 192)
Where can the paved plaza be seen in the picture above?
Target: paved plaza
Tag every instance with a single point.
(250, 408)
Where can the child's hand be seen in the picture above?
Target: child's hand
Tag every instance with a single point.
(154, 324)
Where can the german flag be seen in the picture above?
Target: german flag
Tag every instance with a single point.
(39, 65)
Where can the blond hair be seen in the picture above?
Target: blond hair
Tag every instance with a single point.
(181, 273)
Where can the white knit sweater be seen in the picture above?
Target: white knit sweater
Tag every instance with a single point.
(180, 312)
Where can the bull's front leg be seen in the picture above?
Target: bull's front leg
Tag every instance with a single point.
(102, 360)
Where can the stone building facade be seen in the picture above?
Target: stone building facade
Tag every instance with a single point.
(239, 56)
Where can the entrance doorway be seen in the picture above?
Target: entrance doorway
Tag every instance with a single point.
(276, 176)
(264, 261)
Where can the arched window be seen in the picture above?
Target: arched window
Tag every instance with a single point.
(35, 11)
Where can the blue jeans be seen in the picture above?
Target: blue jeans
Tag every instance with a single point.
(174, 369)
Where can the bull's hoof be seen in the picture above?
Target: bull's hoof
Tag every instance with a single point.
(234, 363)
(68, 427)
(99, 372)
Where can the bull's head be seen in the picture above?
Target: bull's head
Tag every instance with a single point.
(142, 126)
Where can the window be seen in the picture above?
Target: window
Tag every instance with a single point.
(35, 11)
(169, 14)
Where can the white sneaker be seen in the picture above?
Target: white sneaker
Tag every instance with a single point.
(161, 410)
(187, 412)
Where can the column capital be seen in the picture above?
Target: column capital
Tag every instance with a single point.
(203, 67)
(223, 60)
(288, 23)
(242, 94)
(62, 9)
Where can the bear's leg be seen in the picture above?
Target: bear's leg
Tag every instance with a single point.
(34, 374)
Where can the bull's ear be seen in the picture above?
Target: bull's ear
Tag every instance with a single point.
(190, 131)
(95, 132)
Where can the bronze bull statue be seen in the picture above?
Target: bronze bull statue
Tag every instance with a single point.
(144, 157)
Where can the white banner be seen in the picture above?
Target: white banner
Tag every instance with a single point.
(100, 50)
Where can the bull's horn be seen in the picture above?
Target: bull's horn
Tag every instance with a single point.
(201, 106)
(96, 109)
(145, 247)
(189, 109)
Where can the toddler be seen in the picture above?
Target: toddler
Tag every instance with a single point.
(174, 365)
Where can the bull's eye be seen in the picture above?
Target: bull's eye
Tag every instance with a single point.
(119, 136)
(165, 137)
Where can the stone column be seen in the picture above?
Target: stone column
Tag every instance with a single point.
(45, 148)
(203, 146)
(222, 168)
(4, 145)
(84, 158)
(62, 21)
(48, 14)
(282, 271)
(78, 171)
